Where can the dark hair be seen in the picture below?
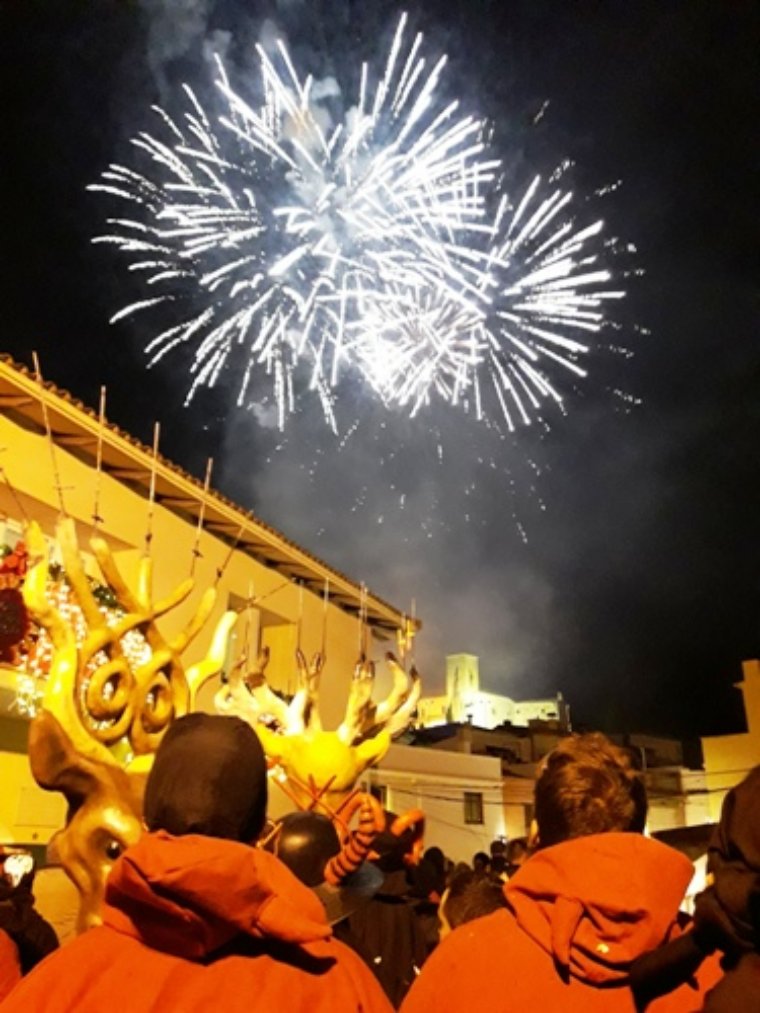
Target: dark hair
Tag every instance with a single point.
(517, 852)
(498, 865)
(481, 861)
(436, 857)
(471, 896)
(429, 877)
(208, 777)
(588, 785)
(517, 849)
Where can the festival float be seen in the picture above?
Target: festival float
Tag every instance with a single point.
(101, 683)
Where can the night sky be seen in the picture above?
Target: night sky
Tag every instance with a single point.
(610, 552)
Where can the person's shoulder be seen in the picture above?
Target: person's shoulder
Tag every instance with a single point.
(342, 954)
(10, 965)
(487, 926)
(463, 971)
(474, 941)
(359, 979)
(738, 989)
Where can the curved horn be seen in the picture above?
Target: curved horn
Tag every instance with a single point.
(357, 845)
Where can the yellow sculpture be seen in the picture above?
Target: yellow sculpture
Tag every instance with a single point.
(104, 711)
(321, 767)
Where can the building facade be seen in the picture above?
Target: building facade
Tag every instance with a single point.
(286, 597)
(464, 701)
(460, 795)
(729, 758)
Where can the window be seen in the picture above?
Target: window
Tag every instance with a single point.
(380, 792)
(473, 807)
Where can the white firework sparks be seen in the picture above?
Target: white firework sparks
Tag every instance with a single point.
(291, 242)
(538, 302)
(283, 226)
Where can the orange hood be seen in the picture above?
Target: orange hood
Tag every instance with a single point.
(596, 903)
(190, 895)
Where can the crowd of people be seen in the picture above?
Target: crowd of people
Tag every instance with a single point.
(584, 915)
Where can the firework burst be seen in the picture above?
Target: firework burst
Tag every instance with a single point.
(303, 246)
(492, 346)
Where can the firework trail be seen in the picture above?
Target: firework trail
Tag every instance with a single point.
(304, 248)
(540, 299)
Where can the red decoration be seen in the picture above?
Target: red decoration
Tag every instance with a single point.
(14, 617)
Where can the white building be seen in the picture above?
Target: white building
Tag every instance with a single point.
(464, 701)
(460, 795)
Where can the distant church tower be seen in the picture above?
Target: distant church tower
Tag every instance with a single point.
(462, 683)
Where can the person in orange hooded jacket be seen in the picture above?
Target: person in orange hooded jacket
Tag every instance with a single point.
(195, 918)
(593, 897)
(10, 964)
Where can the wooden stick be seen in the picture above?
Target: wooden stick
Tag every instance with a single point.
(300, 615)
(13, 493)
(201, 515)
(363, 621)
(152, 492)
(248, 634)
(96, 518)
(49, 434)
(413, 629)
(325, 601)
(221, 569)
(255, 599)
(270, 836)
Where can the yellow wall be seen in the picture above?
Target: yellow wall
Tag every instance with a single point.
(26, 462)
(292, 613)
(729, 758)
(27, 813)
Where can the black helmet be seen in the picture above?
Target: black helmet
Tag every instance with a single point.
(308, 844)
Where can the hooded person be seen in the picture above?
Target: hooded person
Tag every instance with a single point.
(195, 917)
(387, 930)
(594, 895)
(308, 844)
(25, 936)
(726, 917)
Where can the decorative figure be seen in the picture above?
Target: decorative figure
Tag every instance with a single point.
(104, 817)
(106, 708)
(14, 617)
(321, 767)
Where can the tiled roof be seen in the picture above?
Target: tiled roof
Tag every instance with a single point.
(75, 427)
